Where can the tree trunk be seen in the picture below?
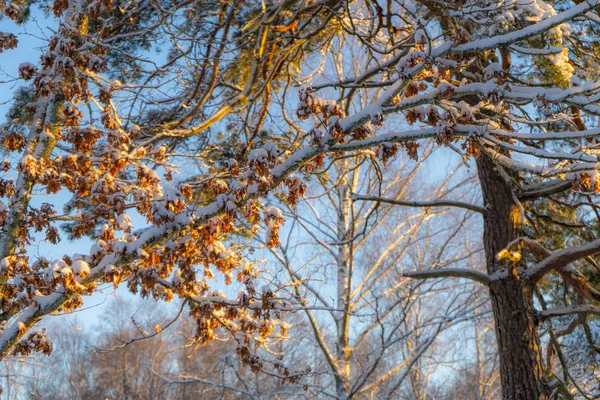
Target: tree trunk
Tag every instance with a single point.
(521, 367)
(344, 285)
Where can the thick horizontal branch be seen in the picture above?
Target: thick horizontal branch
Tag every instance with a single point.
(545, 136)
(470, 274)
(561, 258)
(395, 137)
(546, 189)
(527, 32)
(562, 311)
(536, 52)
(569, 274)
(422, 204)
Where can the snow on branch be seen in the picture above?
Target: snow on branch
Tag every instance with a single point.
(561, 259)
(459, 273)
(527, 32)
(548, 188)
(570, 310)
(422, 204)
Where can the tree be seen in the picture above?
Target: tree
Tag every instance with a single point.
(383, 326)
(124, 358)
(511, 82)
(96, 363)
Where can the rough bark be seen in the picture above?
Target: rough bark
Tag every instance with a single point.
(521, 366)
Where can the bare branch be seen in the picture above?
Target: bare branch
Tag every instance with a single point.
(422, 204)
(470, 274)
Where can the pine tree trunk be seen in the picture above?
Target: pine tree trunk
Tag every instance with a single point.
(521, 367)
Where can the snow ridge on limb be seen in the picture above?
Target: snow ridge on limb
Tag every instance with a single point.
(459, 273)
(531, 30)
(421, 204)
(560, 259)
(571, 310)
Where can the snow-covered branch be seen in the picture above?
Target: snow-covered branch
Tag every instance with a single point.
(459, 273)
(561, 259)
(570, 310)
(422, 204)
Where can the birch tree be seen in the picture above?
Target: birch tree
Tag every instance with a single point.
(358, 251)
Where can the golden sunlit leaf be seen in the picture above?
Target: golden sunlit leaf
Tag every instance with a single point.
(513, 256)
(84, 26)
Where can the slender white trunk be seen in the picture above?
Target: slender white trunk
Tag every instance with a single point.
(344, 283)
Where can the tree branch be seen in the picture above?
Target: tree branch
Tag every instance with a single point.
(421, 204)
(473, 275)
(562, 311)
(561, 258)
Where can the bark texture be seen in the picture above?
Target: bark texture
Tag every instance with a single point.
(521, 367)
